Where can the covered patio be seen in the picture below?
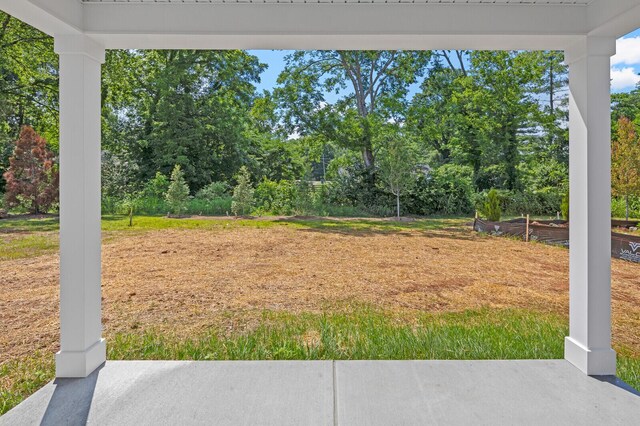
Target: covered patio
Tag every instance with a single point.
(372, 392)
(331, 393)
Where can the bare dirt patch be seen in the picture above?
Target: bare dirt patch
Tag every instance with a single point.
(189, 280)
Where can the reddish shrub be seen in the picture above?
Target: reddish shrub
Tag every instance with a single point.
(32, 176)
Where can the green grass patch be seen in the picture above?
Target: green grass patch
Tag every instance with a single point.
(360, 334)
(382, 226)
(148, 223)
(23, 246)
(29, 225)
(364, 334)
(21, 378)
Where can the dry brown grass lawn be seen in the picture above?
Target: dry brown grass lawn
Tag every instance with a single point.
(188, 280)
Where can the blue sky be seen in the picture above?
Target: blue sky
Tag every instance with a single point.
(625, 66)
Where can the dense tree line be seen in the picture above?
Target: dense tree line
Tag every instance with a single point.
(434, 131)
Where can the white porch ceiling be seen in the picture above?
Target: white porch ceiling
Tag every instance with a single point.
(470, 2)
(331, 24)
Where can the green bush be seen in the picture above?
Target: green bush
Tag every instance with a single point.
(265, 194)
(109, 204)
(355, 186)
(491, 208)
(213, 191)
(287, 198)
(535, 203)
(156, 187)
(618, 207)
(540, 203)
(446, 190)
(565, 206)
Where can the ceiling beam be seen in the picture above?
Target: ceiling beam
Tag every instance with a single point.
(49, 16)
(613, 18)
(332, 26)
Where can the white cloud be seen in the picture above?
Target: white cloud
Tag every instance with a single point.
(627, 52)
(624, 78)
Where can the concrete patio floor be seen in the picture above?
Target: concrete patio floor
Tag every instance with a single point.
(331, 393)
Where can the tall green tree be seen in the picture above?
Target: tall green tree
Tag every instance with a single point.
(372, 87)
(181, 107)
(28, 85)
(502, 90)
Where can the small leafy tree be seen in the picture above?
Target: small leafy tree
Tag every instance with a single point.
(130, 204)
(32, 176)
(157, 186)
(491, 208)
(178, 192)
(625, 162)
(118, 175)
(242, 193)
(396, 167)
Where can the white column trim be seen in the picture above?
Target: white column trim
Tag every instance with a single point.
(74, 44)
(589, 345)
(590, 46)
(82, 348)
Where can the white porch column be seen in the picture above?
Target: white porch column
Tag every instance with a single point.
(589, 345)
(82, 348)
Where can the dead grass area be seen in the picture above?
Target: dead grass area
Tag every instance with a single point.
(185, 281)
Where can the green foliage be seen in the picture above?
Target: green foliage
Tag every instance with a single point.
(625, 162)
(178, 192)
(185, 107)
(300, 198)
(28, 86)
(130, 204)
(378, 83)
(619, 207)
(565, 206)
(534, 203)
(501, 115)
(445, 190)
(242, 193)
(213, 190)
(119, 175)
(491, 207)
(278, 198)
(157, 186)
(354, 186)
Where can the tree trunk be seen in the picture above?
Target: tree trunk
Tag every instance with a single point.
(367, 157)
(398, 204)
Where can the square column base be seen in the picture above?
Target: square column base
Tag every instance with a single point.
(81, 363)
(594, 362)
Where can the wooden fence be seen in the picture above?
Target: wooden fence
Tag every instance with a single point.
(556, 232)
